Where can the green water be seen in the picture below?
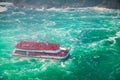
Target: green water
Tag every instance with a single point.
(92, 36)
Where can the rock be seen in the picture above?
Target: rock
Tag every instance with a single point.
(2, 9)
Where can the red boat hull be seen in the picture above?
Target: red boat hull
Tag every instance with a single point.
(61, 55)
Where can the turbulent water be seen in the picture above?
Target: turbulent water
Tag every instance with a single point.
(91, 34)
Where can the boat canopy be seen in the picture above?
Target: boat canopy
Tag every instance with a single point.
(37, 46)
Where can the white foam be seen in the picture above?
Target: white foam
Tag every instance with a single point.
(118, 34)
(6, 21)
(6, 4)
(94, 44)
(61, 9)
(99, 29)
(20, 12)
(62, 64)
(114, 37)
(68, 9)
(95, 57)
(40, 9)
(56, 9)
(101, 9)
(51, 24)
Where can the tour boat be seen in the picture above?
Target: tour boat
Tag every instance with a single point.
(40, 50)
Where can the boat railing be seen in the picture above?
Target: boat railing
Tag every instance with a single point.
(46, 51)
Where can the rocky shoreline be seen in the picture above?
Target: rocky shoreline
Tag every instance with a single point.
(112, 4)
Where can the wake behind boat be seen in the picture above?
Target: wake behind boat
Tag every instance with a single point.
(40, 50)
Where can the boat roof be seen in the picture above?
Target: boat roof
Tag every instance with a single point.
(37, 46)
